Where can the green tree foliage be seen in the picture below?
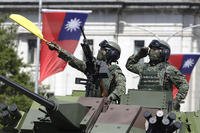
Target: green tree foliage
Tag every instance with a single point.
(11, 66)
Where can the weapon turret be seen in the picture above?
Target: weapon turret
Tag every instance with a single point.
(63, 116)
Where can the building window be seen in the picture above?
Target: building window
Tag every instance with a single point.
(138, 44)
(32, 46)
(91, 44)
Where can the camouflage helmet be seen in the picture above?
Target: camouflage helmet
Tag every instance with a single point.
(164, 46)
(113, 50)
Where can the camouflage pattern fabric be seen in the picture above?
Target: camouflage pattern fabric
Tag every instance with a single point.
(167, 74)
(117, 80)
(72, 60)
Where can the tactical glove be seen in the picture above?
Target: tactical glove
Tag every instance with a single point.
(176, 105)
(52, 46)
(143, 52)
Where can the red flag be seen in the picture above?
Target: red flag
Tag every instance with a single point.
(60, 27)
(185, 63)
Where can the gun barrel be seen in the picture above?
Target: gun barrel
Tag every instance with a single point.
(41, 100)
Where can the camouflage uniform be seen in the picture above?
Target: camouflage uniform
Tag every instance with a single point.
(158, 76)
(117, 80)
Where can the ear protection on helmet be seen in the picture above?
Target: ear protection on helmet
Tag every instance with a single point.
(112, 55)
(165, 54)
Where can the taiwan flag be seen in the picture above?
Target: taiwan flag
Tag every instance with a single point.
(185, 63)
(62, 28)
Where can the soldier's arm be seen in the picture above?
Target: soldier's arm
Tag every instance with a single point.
(133, 65)
(120, 81)
(179, 80)
(72, 60)
(132, 62)
(68, 57)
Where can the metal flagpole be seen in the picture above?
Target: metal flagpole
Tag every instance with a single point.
(38, 49)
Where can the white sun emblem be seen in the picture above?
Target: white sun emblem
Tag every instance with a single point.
(188, 63)
(73, 24)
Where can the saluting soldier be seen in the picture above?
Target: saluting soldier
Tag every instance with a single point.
(158, 74)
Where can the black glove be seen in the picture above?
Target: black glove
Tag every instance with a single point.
(52, 46)
(143, 52)
(176, 105)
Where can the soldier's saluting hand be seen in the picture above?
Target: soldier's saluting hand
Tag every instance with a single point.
(158, 74)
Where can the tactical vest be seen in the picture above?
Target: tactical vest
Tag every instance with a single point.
(155, 78)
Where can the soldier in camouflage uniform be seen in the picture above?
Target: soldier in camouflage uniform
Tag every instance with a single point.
(110, 53)
(158, 74)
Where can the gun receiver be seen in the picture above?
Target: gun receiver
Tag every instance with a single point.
(95, 70)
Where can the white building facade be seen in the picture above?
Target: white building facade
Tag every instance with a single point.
(132, 23)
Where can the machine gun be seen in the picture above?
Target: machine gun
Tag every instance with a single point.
(95, 70)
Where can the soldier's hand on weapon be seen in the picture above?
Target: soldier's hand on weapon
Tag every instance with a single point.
(176, 105)
(143, 52)
(86, 41)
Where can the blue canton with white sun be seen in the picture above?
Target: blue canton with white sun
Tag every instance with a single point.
(188, 63)
(71, 26)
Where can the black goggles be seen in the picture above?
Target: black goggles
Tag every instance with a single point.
(155, 44)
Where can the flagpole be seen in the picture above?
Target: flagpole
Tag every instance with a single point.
(38, 49)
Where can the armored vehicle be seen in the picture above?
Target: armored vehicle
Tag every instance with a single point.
(138, 112)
